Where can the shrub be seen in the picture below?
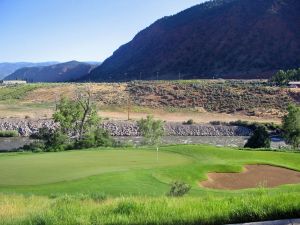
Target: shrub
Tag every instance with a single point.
(259, 139)
(97, 138)
(152, 130)
(189, 122)
(36, 146)
(55, 141)
(179, 189)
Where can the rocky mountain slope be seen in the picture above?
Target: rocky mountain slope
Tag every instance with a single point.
(219, 38)
(62, 72)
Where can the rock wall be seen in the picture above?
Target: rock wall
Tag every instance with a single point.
(26, 127)
(125, 128)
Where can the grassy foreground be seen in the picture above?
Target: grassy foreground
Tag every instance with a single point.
(67, 210)
(128, 186)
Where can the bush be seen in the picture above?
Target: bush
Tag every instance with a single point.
(189, 122)
(54, 140)
(96, 138)
(36, 146)
(179, 189)
(9, 133)
(259, 139)
(152, 130)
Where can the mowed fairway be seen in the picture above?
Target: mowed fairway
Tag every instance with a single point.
(129, 172)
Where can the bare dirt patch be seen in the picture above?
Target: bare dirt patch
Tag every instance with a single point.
(202, 117)
(253, 176)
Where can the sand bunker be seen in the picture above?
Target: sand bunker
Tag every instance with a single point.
(253, 176)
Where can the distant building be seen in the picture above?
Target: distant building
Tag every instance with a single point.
(10, 82)
(294, 84)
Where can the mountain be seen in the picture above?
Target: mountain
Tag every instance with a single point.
(220, 38)
(9, 68)
(62, 72)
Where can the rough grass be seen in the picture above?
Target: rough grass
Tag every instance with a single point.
(82, 210)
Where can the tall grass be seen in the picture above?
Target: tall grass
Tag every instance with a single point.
(69, 210)
(8, 133)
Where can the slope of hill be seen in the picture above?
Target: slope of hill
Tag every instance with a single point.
(220, 38)
(9, 68)
(62, 72)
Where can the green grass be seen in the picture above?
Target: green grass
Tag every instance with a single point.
(8, 133)
(129, 186)
(17, 91)
(35, 169)
(131, 172)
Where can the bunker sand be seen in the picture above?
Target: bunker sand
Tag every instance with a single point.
(253, 176)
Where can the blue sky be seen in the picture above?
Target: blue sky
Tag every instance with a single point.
(84, 30)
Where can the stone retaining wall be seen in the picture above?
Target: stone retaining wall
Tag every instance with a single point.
(125, 128)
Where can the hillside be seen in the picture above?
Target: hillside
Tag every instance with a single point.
(62, 72)
(220, 38)
(9, 68)
(204, 101)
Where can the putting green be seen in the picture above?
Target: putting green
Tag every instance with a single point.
(36, 169)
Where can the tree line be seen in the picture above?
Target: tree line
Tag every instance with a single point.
(283, 78)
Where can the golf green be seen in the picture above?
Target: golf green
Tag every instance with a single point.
(36, 169)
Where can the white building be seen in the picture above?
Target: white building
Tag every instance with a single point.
(9, 82)
(294, 84)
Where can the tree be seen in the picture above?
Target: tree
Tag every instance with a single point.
(291, 126)
(78, 125)
(152, 130)
(284, 77)
(259, 139)
(79, 117)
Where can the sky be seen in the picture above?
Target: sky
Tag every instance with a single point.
(83, 30)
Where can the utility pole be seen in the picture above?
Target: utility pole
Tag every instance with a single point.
(128, 106)
(157, 75)
(128, 109)
(179, 74)
(140, 75)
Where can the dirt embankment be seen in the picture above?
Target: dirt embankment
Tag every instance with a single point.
(202, 101)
